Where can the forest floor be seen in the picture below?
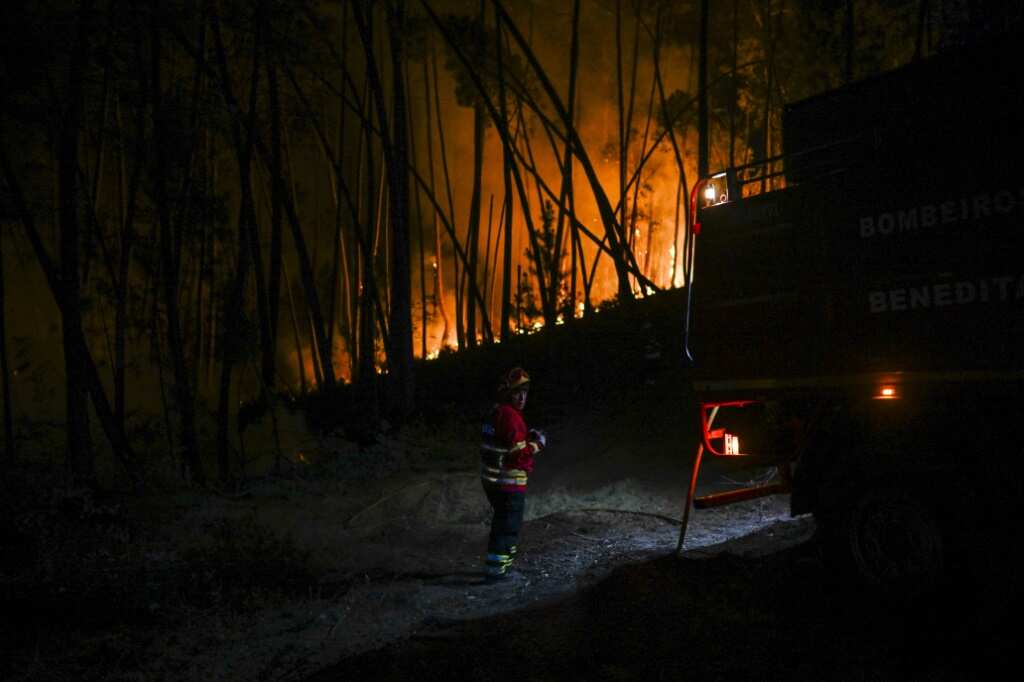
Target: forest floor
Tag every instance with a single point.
(353, 550)
(376, 573)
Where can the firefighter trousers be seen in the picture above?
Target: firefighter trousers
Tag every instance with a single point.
(505, 524)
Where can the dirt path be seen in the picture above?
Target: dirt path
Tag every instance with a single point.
(434, 576)
(411, 579)
(598, 593)
(761, 606)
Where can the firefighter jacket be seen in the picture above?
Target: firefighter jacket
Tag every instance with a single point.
(506, 451)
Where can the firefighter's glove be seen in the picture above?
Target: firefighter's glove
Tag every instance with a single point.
(538, 437)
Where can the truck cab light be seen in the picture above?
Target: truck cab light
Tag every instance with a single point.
(886, 393)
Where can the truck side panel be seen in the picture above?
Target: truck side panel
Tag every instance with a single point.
(895, 253)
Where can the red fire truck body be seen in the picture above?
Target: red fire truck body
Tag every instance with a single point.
(862, 327)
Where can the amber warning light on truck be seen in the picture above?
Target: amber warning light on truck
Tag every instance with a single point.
(887, 392)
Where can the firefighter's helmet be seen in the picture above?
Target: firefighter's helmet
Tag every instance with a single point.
(516, 379)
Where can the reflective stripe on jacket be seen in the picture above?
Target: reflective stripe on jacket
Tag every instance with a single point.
(506, 456)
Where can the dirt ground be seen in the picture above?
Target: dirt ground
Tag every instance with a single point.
(727, 612)
(420, 580)
(598, 593)
(426, 577)
(397, 592)
(394, 549)
(413, 566)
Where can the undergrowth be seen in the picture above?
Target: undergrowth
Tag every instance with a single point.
(74, 564)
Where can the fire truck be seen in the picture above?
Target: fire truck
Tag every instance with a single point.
(855, 315)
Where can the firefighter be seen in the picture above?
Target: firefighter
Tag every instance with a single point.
(507, 453)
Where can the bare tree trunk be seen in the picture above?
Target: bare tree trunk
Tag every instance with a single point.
(507, 161)
(318, 368)
(157, 351)
(366, 379)
(537, 250)
(339, 267)
(493, 260)
(338, 254)
(460, 324)
(626, 122)
(566, 190)
(196, 326)
(439, 301)
(184, 398)
(94, 228)
(267, 342)
(619, 103)
(442, 147)
(769, 86)
(473, 224)
(421, 251)
(121, 312)
(733, 103)
(633, 229)
(80, 455)
(230, 343)
(568, 163)
(211, 308)
(675, 237)
(275, 256)
(10, 443)
(485, 276)
(362, 225)
(395, 147)
(128, 205)
(232, 310)
(702, 93)
(423, 279)
(923, 10)
(848, 42)
(299, 355)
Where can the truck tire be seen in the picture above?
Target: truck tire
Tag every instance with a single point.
(895, 540)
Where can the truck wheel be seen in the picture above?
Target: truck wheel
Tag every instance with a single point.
(895, 540)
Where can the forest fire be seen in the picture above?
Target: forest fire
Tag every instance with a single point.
(260, 263)
(522, 195)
